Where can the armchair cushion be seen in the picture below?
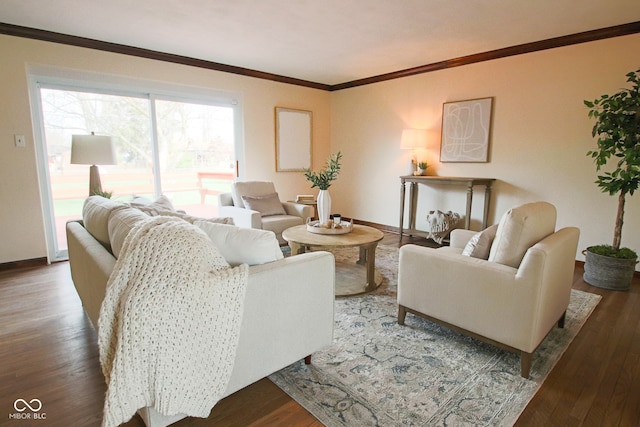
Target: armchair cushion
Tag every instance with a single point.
(250, 188)
(479, 245)
(242, 245)
(267, 205)
(519, 229)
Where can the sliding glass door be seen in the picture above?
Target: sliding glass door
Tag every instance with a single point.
(173, 145)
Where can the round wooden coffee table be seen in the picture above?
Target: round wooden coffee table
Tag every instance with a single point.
(349, 277)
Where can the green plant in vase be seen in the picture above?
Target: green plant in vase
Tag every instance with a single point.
(322, 180)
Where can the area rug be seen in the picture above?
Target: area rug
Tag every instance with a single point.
(378, 373)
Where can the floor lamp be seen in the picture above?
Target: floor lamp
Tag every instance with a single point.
(92, 150)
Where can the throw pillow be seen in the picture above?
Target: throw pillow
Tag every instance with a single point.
(267, 205)
(95, 217)
(480, 244)
(243, 245)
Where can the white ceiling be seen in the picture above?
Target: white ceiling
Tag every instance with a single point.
(323, 41)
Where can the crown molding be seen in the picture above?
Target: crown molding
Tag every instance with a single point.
(50, 36)
(584, 37)
(587, 36)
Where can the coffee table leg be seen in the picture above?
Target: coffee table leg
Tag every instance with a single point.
(370, 257)
(296, 248)
(363, 255)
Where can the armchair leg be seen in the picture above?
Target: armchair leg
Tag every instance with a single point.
(525, 364)
(561, 320)
(402, 313)
(307, 360)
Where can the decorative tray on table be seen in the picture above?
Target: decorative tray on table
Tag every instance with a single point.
(343, 228)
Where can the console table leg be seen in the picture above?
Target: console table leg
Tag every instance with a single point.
(487, 202)
(402, 195)
(467, 218)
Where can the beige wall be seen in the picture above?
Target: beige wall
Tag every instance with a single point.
(541, 134)
(21, 224)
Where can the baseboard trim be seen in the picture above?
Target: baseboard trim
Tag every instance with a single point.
(25, 263)
(381, 227)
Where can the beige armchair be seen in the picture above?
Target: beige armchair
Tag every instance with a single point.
(510, 293)
(255, 204)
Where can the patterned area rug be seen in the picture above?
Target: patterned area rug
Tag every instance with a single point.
(378, 373)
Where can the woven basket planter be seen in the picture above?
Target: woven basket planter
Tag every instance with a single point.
(608, 272)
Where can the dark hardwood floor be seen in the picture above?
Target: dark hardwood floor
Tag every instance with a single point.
(49, 351)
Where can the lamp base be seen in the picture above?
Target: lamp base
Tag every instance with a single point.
(95, 186)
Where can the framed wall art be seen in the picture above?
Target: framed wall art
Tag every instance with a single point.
(466, 127)
(293, 139)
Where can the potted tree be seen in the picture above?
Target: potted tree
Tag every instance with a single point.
(618, 131)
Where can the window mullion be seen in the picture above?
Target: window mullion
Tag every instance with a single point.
(155, 147)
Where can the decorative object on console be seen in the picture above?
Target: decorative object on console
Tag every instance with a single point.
(323, 180)
(618, 130)
(93, 150)
(413, 139)
(466, 126)
(422, 168)
(441, 224)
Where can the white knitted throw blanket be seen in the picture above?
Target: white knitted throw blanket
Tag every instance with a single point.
(169, 324)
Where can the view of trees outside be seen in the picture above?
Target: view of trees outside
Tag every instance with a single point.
(195, 150)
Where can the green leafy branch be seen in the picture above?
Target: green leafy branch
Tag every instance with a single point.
(323, 179)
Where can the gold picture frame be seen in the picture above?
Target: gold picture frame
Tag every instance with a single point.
(294, 141)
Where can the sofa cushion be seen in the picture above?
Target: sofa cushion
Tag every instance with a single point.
(121, 221)
(479, 245)
(267, 205)
(519, 229)
(162, 203)
(242, 245)
(250, 188)
(95, 217)
(192, 219)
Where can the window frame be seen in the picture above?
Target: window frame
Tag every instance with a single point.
(82, 81)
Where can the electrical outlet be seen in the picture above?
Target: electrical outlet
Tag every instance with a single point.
(20, 141)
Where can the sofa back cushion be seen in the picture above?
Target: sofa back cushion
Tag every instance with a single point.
(121, 221)
(95, 217)
(252, 189)
(519, 229)
(242, 245)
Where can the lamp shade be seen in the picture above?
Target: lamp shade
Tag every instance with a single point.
(92, 150)
(413, 138)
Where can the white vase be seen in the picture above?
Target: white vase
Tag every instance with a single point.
(324, 206)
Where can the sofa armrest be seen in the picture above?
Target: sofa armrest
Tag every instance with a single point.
(288, 315)
(91, 265)
(297, 209)
(225, 199)
(459, 237)
(241, 217)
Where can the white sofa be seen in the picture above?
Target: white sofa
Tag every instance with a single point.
(288, 308)
(511, 296)
(255, 204)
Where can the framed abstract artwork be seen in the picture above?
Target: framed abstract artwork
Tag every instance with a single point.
(293, 139)
(466, 127)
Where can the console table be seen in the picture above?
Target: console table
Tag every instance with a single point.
(441, 180)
